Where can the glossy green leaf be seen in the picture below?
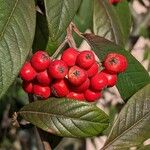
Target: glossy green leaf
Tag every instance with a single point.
(59, 14)
(83, 18)
(134, 78)
(17, 26)
(131, 128)
(66, 117)
(105, 22)
(123, 13)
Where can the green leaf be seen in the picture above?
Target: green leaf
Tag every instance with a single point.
(41, 33)
(134, 78)
(59, 14)
(123, 13)
(16, 36)
(131, 128)
(105, 22)
(66, 117)
(83, 18)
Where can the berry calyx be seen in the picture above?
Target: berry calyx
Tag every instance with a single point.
(40, 61)
(58, 69)
(115, 63)
(41, 91)
(92, 70)
(85, 59)
(60, 88)
(28, 87)
(91, 95)
(81, 88)
(69, 56)
(76, 96)
(99, 81)
(27, 72)
(112, 78)
(43, 78)
(76, 76)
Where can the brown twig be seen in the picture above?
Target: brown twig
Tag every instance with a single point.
(59, 49)
(69, 37)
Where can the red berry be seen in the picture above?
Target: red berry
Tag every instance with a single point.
(99, 81)
(28, 87)
(41, 91)
(85, 59)
(81, 88)
(43, 78)
(76, 96)
(60, 88)
(112, 78)
(115, 63)
(27, 72)
(93, 70)
(69, 56)
(58, 69)
(92, 96)
(40, 61)
(76, 75)
(114, 1)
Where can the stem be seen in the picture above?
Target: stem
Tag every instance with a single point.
(69, 37)
(75, 29)
(59, 49)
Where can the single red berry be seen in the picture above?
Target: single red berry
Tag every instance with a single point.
(114, 1)
(76, 75)
(99, 81)
(40, 61)
(69, 56)
(27, 72)
(41, 91)
(28, 87)
(43, 78)
(91, 95)
(81, 88)
(93, 70)
(58, 69)
(60, 88)
(85, 59)
(112, 78)
(115, 63)
(76, 96)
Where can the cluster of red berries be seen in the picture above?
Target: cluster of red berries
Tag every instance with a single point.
(114, 1)
(76, 75)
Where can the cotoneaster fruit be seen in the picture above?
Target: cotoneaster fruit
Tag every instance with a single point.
(69, 56)
(27, 72)
(85, 59)
(40, 61)
(115, 63)
(75, 76)
(58, 69)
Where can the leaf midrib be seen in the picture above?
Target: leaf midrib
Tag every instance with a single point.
(60, 116)
(110, 22)
(8, 20)
(145, 116)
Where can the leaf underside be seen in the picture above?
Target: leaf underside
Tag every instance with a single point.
(105, 22)
(64, 117)
(16, 35)
(131, 128)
